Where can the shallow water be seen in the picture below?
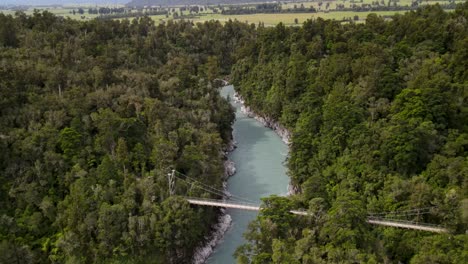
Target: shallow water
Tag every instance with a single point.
(259, 159)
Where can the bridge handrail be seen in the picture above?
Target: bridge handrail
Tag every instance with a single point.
(235, 203)
(402, 221)
(221, 201)
(370, 219)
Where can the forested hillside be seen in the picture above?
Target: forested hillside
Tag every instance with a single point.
(379, 117)
(93, 116)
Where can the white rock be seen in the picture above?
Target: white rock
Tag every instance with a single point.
(229, 168)
(265, 120)
(202, 253)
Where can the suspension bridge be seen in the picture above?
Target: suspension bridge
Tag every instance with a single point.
(388, 219)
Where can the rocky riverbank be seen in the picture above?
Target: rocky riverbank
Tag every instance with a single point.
(229, 166)
(224, 220)
(265, 120)
(269, 122)
(223, 224)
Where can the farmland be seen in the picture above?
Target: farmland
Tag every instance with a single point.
(64, 11)
(287, 19)
(291, 12)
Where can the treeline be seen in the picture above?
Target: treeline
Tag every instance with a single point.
(134, 14)
(116, 13)
(105, 10)
(264, 9)
(379, 116)
(93, 116)
(378, 7)
(142, 3)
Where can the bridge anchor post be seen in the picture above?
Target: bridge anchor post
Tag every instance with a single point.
(171, 182)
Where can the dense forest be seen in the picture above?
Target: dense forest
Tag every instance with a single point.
(379, 116)
(93, 116)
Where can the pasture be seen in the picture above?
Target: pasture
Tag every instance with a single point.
(289, 18)
(326, 10)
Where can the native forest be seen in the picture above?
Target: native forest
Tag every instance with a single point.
(95, 114)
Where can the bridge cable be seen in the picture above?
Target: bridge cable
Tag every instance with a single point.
(201, 183)
(217, 190)
(223, 193)
(403, 211)
(218, 193)
(201, 187)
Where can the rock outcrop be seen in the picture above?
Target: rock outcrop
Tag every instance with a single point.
(229, 168)
(265, 120)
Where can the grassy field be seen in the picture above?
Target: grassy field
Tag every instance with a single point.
(288, 19)
(64, 11)
(348, 4)
(7, 12)
(268, 19)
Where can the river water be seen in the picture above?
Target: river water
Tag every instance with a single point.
(259, 159)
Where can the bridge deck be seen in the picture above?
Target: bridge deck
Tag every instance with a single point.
(407, 225)
(245, 206)
(373, 221)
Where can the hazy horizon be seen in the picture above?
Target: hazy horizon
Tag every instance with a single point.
(61, 2)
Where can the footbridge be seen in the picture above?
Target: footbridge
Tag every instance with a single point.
(234, 205)
(371, 220)
(387, 219)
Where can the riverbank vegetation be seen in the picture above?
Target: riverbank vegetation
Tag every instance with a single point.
(93, 116)
(379, 118)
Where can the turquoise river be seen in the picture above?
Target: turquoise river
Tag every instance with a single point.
(259, 159)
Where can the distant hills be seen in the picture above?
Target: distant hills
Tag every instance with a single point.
(188, 2)
(62, 2)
